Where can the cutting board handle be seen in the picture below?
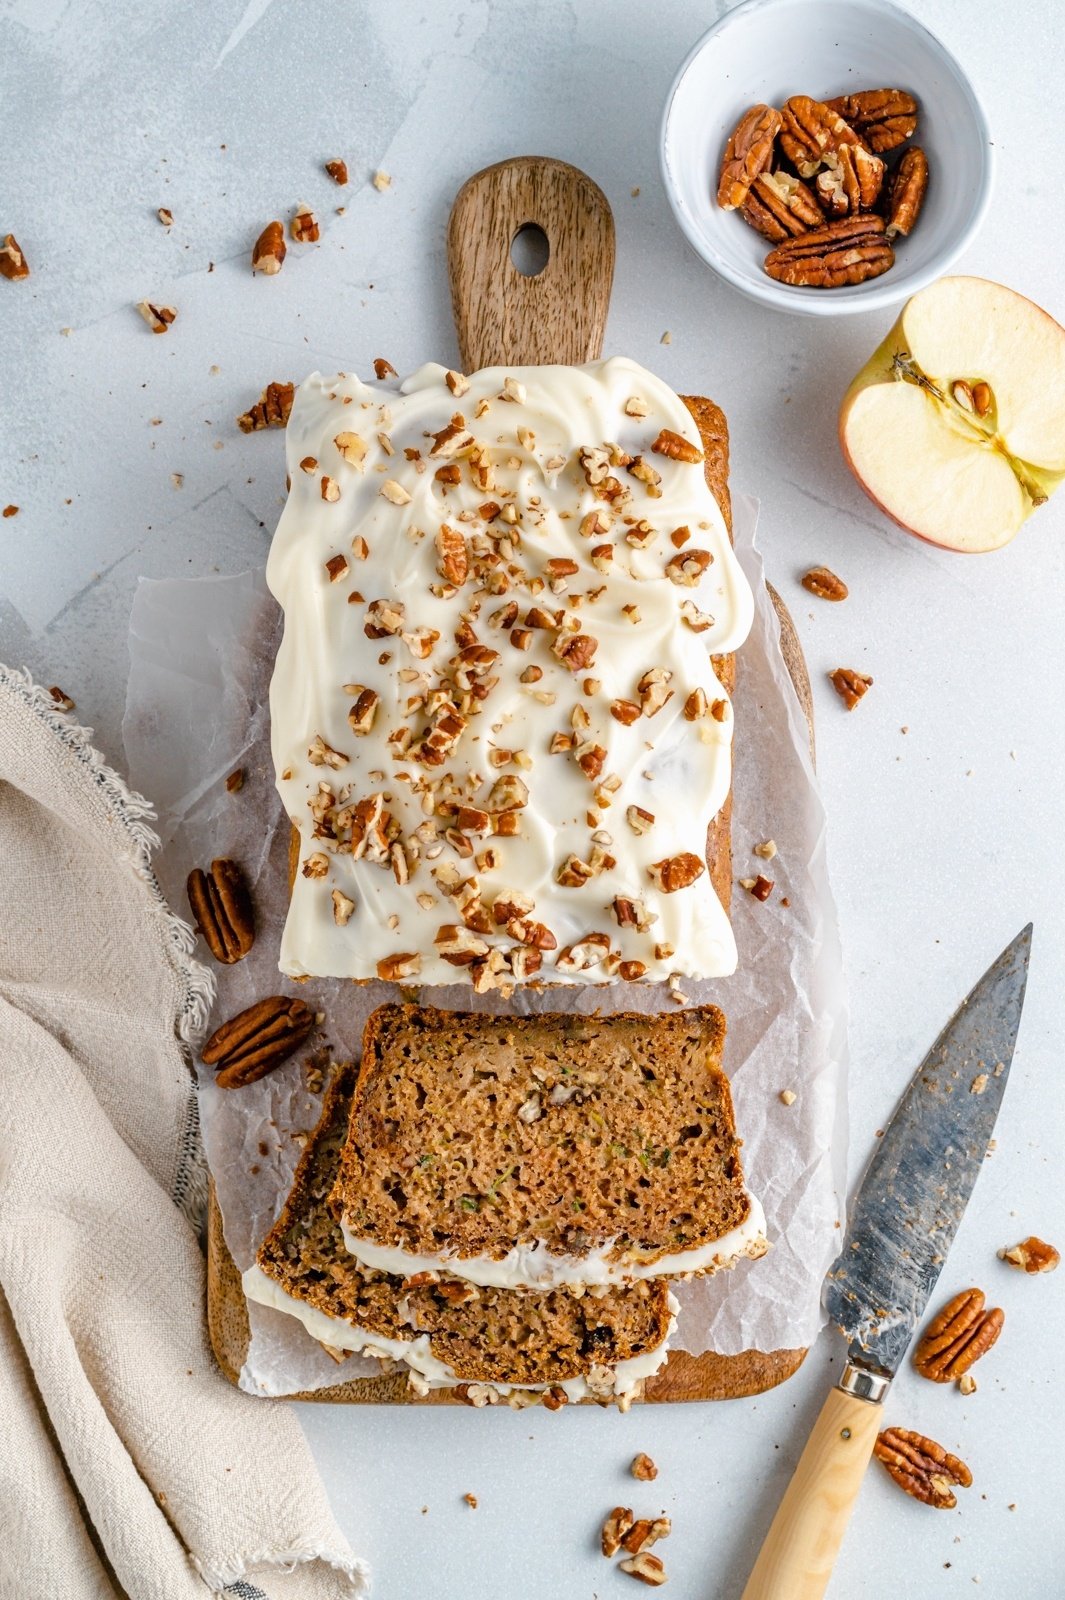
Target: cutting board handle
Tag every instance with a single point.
(503, 317)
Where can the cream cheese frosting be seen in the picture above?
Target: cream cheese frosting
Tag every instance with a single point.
(536, 1267)
(496, 723)
(432, 1373)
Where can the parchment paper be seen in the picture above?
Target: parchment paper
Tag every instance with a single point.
(201, 654)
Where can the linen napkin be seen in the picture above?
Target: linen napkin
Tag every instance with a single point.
(128, 1465)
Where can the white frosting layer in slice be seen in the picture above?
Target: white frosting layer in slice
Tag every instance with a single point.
(534, 1267)
(416, 1353)
(480, 679)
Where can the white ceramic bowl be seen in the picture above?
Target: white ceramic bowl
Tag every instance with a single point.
(767, 50)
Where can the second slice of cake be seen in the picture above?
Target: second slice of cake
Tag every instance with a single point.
(537, 1151)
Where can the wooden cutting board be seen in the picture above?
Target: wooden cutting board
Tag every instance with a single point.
(505, 317)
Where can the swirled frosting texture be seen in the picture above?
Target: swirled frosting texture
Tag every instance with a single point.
(495, 719)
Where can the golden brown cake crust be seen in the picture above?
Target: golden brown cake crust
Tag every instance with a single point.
(473, 1134)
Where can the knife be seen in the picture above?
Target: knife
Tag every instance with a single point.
(902, 1224)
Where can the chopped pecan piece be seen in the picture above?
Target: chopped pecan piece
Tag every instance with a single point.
(748, 152)
(676, 447)
(362, 713)
(676, 872)
(921, 1467)
(158, 318)
(850, 685)
(588, 952)
(62, 701)
(780, 206)
(269, 249)
(304, 226)
(625, 711)
(383, 369)
(222, 908)
(646, 1532)
(1032, 1255)
(337, 170)
(687, 567)
(909, 185)
(257, 1040)
(846, 251)
(639, 820)
(955, 1339)
(822, 582)
(393, 969)
(343, 906)
(646, 1567)
(271, 410)
(13, 263)
(615, 1527)
(883, 118)
(575, 650)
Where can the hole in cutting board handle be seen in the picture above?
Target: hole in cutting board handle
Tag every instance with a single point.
(530, 250)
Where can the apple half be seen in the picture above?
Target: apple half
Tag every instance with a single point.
(956, 425)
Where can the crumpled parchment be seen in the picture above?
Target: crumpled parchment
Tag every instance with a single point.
(201, 655)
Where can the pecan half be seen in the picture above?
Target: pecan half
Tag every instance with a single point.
(883, 118)
(921, 1467)
(780, 206)
(676, 447)
(850, 685)
(822, 582)
(957, 1338)
(846, 251)
(909, 185)
(1032, 1255)
(257, 1040)
(748, 152)
(222, 908)
(271, 410)
(813, 135)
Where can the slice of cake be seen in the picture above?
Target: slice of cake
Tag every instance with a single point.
(538, 1151)
(564, 1344)
(500, 712)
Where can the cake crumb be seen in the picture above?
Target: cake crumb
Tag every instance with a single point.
(635, 192)
(667, 337)
(979, 1083)
(788, 1097)
(382, 181)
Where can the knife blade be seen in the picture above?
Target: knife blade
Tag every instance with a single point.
(917, 1185)
(903, 1221)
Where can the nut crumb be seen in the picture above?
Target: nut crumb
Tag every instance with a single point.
(11, 511)
(337, 170)
(643, 1468)
(382, 181)
(166, 216)
(667, 338)
(235, 781)
(471, 1501)
(304, 226)
(62, 701)
(788, 1097)
(967, 1383)
(767, 850)
(979, 1083)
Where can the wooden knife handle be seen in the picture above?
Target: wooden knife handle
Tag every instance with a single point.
(800, 1549)
(503, 317)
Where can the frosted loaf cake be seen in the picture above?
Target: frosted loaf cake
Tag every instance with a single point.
(496, 722)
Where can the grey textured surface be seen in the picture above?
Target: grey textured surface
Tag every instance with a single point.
(943, 839)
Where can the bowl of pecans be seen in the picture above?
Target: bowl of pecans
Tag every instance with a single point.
(825, 156)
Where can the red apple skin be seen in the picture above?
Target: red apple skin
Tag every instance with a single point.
(869, 375)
